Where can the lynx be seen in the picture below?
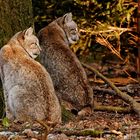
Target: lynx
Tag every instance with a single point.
(28, 89)
(67, 73)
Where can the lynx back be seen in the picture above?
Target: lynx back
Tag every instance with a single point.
(68, 75)
(28, 89)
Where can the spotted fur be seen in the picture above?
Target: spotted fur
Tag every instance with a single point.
(28, 88)
(69, 78)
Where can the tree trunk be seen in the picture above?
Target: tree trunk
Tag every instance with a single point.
(15, 15)
(138, 29)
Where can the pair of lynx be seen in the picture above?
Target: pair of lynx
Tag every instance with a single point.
(30, 91)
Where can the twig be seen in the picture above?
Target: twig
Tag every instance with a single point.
(110, 29)
(130, 77)
(105, 42)
(46, 128)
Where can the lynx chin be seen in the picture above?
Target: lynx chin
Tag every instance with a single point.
(28, 89)
(69, 78)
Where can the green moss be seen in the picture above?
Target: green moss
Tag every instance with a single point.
(91, 132)
(66, 115)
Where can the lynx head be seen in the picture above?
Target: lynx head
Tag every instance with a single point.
(29, 42)
(70, 28)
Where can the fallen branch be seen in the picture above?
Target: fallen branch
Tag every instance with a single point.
(104, 90)
(112, 109)
(135, 106)
(131, 89)
(86, 132)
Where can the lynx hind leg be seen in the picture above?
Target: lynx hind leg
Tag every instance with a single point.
(17, 104)
(9, 114)
(55, 111)
(68, 106)
(86, 111)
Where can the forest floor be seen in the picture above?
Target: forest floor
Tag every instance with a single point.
(109, 126)
(101, 125)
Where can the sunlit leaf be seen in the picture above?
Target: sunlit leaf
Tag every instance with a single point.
(5, 122)
(128, 16)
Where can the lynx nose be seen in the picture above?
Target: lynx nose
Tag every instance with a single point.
(76, 38)
(38, 52)
(38, 46)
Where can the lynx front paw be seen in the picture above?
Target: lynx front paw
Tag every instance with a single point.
(87, 111)
(10, 116)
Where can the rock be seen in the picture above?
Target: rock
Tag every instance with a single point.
(57, 137)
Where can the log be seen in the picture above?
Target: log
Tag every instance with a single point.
(135, 106)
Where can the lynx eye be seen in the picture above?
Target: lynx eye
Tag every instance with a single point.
(32, 45)
(73, 31)
(38, 46)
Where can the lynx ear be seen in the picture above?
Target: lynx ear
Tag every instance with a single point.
(67, 17)
(28, 32)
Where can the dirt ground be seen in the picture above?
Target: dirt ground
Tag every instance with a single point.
(113, 126)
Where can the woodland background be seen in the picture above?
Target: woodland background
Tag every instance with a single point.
(108, 29)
